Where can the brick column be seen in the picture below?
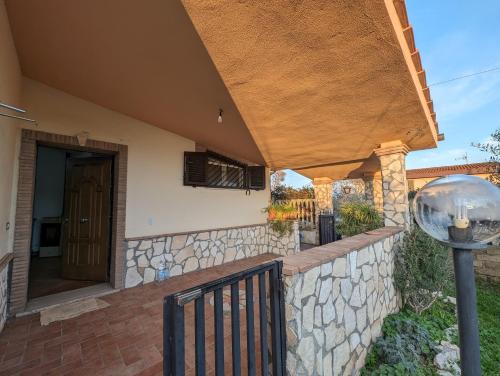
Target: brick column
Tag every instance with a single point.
(373, 189)
(394, 185)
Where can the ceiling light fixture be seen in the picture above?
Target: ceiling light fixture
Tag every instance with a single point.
(82, 138)
(219, 119)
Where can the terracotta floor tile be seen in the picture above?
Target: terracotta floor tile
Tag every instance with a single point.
(125, 338)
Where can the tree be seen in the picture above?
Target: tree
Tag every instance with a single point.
(492, 147)
(277, 179)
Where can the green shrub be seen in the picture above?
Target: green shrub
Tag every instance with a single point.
(406, 347)
(435, 321)
(357, 217)
(422, 269)
(439, 317)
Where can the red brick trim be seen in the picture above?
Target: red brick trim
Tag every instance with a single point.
(316, 256)
(24, 208)
(466, 169)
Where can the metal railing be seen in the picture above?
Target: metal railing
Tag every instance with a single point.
(270, 314)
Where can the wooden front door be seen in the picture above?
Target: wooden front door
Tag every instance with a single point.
(87, 210)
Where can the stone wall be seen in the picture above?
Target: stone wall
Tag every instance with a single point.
(183, 253)
(4, 273)
(336, 297)
(373, 191)
(487, 263)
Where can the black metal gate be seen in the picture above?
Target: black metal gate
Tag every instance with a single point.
(270, 320)
(327, 229)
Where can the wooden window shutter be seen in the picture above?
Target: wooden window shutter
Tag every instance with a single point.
(256, 177)
(195, 168)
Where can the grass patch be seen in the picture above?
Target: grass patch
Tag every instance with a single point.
(433, 322)
(488, 302)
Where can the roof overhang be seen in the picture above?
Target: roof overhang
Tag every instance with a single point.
(303, 85)
(143, 59)
(320, 82)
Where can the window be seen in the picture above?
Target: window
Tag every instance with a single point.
(215, 171)
(224, 173)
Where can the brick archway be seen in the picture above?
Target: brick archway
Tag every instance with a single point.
(24, 208)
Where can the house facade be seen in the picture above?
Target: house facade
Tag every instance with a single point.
(138, 140)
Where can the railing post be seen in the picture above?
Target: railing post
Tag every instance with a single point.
(219, 331)
(263, 325)
(167, 334)
(199, 317)
(274, 292)
(174, 324)
(173, 338)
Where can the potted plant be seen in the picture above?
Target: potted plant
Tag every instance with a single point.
(281, 217)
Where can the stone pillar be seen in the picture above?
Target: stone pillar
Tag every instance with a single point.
(394, 185)
(373, 189)
(323, 195)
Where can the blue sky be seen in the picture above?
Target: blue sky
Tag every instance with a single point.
(455, 38)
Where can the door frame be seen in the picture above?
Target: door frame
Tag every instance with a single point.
(30, 139)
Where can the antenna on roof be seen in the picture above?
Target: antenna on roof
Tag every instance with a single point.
(464, 158)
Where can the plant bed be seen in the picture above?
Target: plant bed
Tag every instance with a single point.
(404, 344)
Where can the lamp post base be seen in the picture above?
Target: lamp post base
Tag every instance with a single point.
(467, 312)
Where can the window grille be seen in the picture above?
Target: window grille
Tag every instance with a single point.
(212, 170)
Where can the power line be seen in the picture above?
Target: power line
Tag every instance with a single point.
(466, 76)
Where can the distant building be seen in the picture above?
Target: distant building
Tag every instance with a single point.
(419, 177)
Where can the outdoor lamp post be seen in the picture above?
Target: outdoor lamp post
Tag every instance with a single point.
(463, 212)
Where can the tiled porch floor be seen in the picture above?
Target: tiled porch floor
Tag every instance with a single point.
(123, 339)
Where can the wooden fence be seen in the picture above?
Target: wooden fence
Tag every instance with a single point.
(306, 209)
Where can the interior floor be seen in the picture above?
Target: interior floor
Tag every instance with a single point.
(45, 278)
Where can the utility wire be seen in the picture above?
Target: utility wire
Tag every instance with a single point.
(466, 76)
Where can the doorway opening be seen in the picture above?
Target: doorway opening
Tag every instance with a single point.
(72, 220)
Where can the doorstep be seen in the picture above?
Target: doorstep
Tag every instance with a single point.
(43, 302)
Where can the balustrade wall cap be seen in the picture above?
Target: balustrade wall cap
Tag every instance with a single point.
(316, 256)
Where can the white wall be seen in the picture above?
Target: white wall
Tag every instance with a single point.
(10, 89)
(157, 202)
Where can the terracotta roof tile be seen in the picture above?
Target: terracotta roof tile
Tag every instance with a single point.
(400, 7)
(466, 169)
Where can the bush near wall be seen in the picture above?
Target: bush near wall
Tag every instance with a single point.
(357, 217)
(423, 268)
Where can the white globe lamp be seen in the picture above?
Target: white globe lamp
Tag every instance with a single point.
(463, 212)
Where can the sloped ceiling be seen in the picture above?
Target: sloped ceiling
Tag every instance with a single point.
(140, 58)
(316, 81)
(303, 84)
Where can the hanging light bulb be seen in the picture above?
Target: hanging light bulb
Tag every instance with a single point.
(219, 119)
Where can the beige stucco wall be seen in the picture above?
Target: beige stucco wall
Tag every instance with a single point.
(10, 88)
(157, 202)
(415, 184)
